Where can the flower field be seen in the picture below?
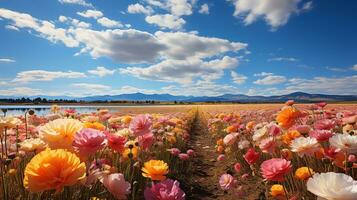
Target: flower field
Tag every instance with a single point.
(198, 152)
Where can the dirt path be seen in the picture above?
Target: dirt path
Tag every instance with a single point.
(201, 181)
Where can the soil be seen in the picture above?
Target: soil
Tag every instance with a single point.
(201, 181)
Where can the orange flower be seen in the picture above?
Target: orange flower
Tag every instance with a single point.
(220, 149)
(155, 170)
(126, 119)
(277, 190)
(250, 125)
(304, 173)
(94, 125)
(53, 169)
(290, 136)
(286, 117)
(220, 142)
(231, 129)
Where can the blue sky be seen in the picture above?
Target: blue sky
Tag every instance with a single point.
(181, 47)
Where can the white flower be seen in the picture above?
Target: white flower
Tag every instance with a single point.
(260, 134)
(125, 132)
(344, 142)
(9, 122)
(243, 144)
(90, 118)
(32, 144)
(333, 186)
(304, 146)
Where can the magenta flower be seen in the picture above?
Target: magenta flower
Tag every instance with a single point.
(174, 151)
(275, 169)
(165, 190)
(227, 181)
(141, 125)
(274, 130)
(325, 124)
(116, 142)
(190, 152)
(87, 141)
(146, 140)
(221, 157)
(183, 156)
(116, 185)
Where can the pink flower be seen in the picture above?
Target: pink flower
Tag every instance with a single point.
(116, 185)
(321, 104)
(146, 140)
(274, 130)
(321, 135)
(183, 156)
(245, 176)
(251, 156)
(349, 120)
(325, 124)
(190, 152)
(227, 181)
(174, 151)
(221, 157)
(237, 167)
(352, 158)
(229, 139)
(275, 169)
(116, 142)
(140, 125)
(289, 102)
(331, 152)
(165, 190)
(268, 145)
(87, 141)
(303, 129)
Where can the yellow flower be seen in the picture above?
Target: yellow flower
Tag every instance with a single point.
(32, 144)
(9, 122)
(94, 125)
(126, 119)
(53, 169)
(59, 133)
(304, 173)
(290, 136)
(134, 153)
(155, 170)
(277, 190)
(55, 108)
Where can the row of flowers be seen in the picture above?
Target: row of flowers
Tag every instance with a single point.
(97, 155)
(296, 152)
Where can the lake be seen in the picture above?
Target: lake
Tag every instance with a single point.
(46, 109)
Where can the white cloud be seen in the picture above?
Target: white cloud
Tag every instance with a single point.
(354, 67)
(275, 12)
(269, 79)
(43, 75)
(7, 60)
(336, 69)
(194, 45)
(91, 14)
(44, 28)
(21, 91)
(307, 6)
(11, 27)
(290, 59)
(179, 7)
(166, 21)
(109, 23)
(204, 9)
(91, 86)
(201, 88)
(73, 22)
(238, 78)
(101, 71)
(325, 85)
(78, 2)
(183, 71)
(138, 8)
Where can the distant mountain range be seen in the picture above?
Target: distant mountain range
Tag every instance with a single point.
(296, 96)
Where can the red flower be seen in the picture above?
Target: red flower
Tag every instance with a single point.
(116, 142)
(251, 156)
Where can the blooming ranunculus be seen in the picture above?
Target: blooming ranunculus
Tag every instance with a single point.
(183, 156)
(165, 190)
(229, 139)
(156, 170)
(305, 146)
(304, 173)
(53, 169)
(277, 190)
(344, 142)
(32, 144)
(59, 133)
(140, 125)
(268, 145)
(321, 135)
(87, 141)
(190, 152)
(227, 181)
(333, 186)
(116, 142)
(251, 156)
(146, 140)
(237, 167)
(286, 118)
(325, 124)
(116, 185)
(275, 169)
(174, 151)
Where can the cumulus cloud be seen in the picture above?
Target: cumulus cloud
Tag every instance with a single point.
(275, 12)
(290, 59)
(175, 7)
(183, 71)
(354, 67)
(78, 2)
(138, 8)
(109, 23)
(101, 71)
(73, 22)
(43, 75)
(11, 27)
(7, 60)
(238, 78)
(21, 91)
(91, 86)
(166, 21)
(269, 79)
(91, 14)
(204, 9)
